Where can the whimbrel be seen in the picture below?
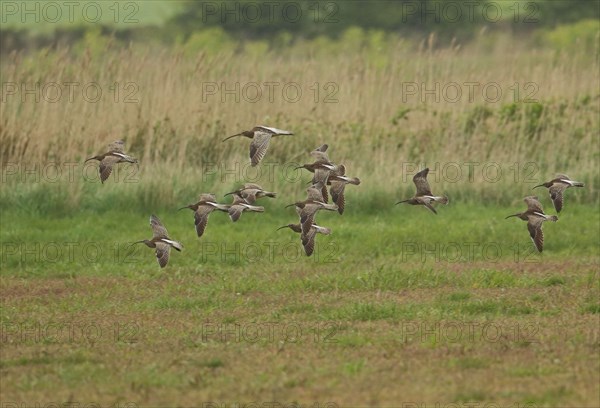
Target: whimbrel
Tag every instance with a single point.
(206, 204)
(424, 195)
(251, 192)
(114, 155)
(556, 188)
(160, 241)
(322, 168)
(239, 205)
(308, 240)
(308, 208)
(338, 181)
(534, 215)
(261, 136)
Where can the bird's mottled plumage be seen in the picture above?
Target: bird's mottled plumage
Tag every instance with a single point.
(556, 188)
(261, 136)
(114, 155)
(424, 196)
(160, 241)
(206, 204)
(534, 215)
(250, 192)
(239, 205)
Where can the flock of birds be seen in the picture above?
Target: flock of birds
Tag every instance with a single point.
(325, 173)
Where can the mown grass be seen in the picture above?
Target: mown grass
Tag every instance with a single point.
(316, 330)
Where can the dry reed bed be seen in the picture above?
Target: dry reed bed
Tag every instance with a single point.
(374, 127)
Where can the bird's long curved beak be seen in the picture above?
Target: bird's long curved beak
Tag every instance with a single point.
(514, 215)
(137, 242)
(225, 195)
(87, 160)
(541, 185)
(183, 208)
(285, 226)
(229, 137)
(400, 202)
(291, 205)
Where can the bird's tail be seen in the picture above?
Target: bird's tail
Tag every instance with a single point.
(270, 194)
(578, 184)
(354, 180)
(255, 208)
(130, 159)
(222, 207)
(441, 199)
(330, 207)
(552, 218)
(322, 230)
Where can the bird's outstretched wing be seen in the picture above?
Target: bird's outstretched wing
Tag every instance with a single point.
(158, 229)
(420, 180)
(162, 253)
(259, 146)
(106, 166)
(535, 232)
(533, 204)
(556, 195)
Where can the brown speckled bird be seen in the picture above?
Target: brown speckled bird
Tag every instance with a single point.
(251, 192)
(424, 195)
(261, 136)
(308, 208)
(160, 241)
(534, 215)
(114, 155)
(338, 181)
(205, 205)
(239, 205)
(557, 187)
(308, 240)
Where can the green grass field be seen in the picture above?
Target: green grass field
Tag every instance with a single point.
(398, 307)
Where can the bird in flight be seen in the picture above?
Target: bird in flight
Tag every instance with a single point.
(556, 187)
(534, 215)
(424, 196)
(261, 136)
(160, 241)
(205, 205)
(114, 155)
